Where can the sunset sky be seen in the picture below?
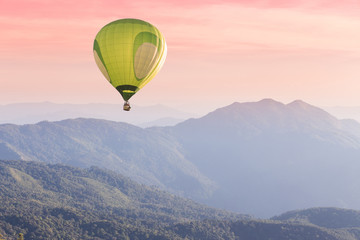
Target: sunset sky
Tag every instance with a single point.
(219, 52)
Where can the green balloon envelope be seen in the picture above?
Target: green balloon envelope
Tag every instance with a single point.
(129, 53)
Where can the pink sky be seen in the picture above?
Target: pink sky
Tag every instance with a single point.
(219, 52)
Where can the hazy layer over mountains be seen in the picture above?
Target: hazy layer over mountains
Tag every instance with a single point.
(261, 158)
(28, 113)
(143, 116)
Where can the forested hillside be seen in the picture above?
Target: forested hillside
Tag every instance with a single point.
(45, 201)
(324, 217)
(57, 201)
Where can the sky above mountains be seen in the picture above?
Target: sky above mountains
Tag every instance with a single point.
(218, 51)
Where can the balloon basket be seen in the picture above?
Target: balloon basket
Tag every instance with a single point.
(126, 106)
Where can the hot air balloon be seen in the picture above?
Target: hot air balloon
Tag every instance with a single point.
(129, 53)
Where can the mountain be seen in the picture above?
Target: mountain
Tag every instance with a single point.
(47, 201)
(267, 157)
(333, 218)
(62, 202)
(260, 230)
(153, 159)
(261, 158)
(344, 112)
(30, 113)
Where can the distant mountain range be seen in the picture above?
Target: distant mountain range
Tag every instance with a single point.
(344, 112)
(261, 158)
(29, 113)
(334, 218)
(45, 201)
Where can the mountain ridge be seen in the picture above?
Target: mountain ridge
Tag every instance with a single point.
(85, 142)
(273, 149)
(328, 217)
(54, 201)
(48, 201)
(259, 158)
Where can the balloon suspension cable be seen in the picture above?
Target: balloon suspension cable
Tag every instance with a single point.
(126, 106)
